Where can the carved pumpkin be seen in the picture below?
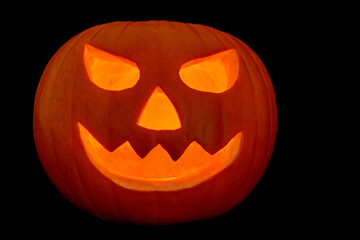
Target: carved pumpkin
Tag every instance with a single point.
(155, 122)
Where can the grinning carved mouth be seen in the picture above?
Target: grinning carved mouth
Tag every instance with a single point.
(157, 171)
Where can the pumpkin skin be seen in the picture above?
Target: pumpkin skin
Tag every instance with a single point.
(65, 97)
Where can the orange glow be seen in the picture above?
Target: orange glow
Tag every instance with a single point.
(157, 171)
(159, 113)
(216, 73)
(108, 71)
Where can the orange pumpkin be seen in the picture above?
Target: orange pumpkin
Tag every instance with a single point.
(155, 122)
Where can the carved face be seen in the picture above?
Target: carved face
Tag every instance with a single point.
(159, 144)
(154, 107)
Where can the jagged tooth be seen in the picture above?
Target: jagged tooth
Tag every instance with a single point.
(175, 154)
(175, 150)
(141, 149)
(110, 143)
(208, 147)
(211, 151)
(114, 146)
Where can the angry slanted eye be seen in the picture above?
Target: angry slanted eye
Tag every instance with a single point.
(108, 71)
(216, 73)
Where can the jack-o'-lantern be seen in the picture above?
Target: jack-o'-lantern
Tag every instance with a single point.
(155, 122)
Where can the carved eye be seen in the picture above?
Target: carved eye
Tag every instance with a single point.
(215, 73)
(108, 71)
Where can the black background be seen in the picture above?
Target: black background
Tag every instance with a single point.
(286, 200)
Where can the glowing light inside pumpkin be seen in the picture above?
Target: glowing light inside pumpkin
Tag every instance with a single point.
(159, 113)
(157, 171)
(108, 71)
(215, 73)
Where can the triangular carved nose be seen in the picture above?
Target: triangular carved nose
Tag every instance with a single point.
(159, 113)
